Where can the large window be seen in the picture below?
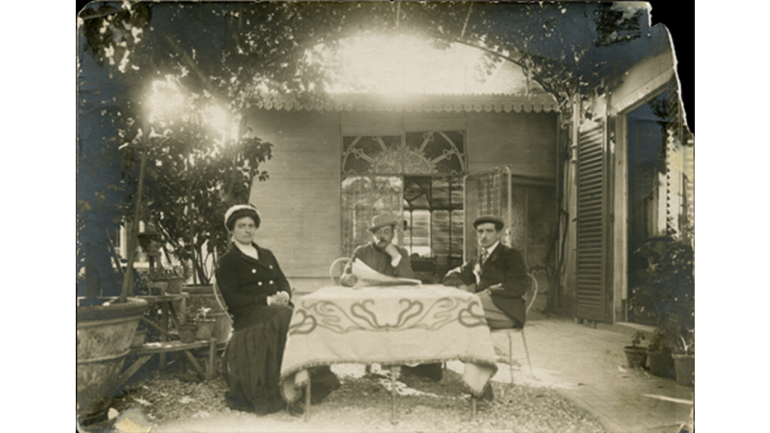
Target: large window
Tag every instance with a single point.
(424, 170)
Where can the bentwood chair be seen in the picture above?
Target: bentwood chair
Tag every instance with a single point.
(335, 270)
(509, 332)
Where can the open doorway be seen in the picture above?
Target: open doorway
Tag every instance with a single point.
(433, 224)
(647, 199)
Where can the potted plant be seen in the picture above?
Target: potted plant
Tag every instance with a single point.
(173, 277)
(189, 327)
(636, 355)
(659, 359)
(663, 282)
(684, 359)
(205, 325)
(203, 296)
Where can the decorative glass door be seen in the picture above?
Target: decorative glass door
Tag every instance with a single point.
(415, 175)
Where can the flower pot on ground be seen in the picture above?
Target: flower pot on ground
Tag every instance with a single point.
(104, 335)
(659, 360)
(660, 363)
(636, 355)
(684, 359)
(187, 332)
(685, 369)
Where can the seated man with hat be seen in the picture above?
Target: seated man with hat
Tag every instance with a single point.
(497, 274)
(389, 259)
(381, 254)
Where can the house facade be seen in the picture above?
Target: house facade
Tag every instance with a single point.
(581, 192)
(336, 165)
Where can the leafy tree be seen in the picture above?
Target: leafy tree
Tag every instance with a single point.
(236, 53)
(192, 181)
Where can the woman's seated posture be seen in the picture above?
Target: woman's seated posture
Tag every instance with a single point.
(258, 296)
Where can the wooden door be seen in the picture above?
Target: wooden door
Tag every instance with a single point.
(593, 267)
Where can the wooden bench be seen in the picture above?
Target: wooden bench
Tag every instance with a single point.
(148, 350)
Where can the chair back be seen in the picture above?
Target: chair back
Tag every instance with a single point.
(221, 301)
(532, 292)
(335, 270)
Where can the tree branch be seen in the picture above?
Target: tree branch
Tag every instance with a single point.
(189, 62)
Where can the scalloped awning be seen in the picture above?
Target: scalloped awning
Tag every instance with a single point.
(419, 103)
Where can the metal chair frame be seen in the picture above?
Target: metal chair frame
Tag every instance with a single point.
(510, 331)
(335, 264)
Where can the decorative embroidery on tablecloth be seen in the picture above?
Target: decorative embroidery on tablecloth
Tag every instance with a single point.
(361, 317)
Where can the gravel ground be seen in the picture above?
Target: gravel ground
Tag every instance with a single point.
(362, 404)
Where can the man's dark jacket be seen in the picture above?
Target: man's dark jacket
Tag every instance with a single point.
(506, 266)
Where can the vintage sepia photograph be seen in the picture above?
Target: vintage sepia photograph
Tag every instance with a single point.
(392, 216)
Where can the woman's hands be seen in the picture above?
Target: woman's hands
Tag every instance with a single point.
(280, 298)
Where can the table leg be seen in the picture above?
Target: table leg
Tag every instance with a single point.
(164, 329)
(307, 400)
(473, 407)
(394, 370)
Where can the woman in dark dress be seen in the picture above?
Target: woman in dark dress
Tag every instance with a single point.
(258, 296)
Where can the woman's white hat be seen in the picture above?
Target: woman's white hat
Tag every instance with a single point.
(238, 207)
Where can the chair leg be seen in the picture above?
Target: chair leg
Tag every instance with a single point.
(510, 354)
(526, 350)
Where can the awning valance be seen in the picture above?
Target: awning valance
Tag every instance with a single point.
(418, 103)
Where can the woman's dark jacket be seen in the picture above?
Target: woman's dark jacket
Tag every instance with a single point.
(246, 283)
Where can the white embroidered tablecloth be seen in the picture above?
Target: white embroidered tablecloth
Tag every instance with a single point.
(389, 326)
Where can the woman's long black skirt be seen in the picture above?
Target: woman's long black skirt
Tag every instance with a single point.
(252, 363)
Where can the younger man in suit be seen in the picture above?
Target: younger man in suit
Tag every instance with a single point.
(497, 274)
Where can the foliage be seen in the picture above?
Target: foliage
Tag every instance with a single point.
(201, 313)
(193, 314)
(195, 175)
(637, 338)
(668, 283)
(160, 273)
(661, 339)
(686, 343)
(236, 53)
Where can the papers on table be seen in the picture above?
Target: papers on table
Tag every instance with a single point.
(369, 277)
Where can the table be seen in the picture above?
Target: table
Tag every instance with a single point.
(390, 326)
(169, 342)
(168, 314)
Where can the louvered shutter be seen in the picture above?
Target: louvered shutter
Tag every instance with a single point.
(592, 203)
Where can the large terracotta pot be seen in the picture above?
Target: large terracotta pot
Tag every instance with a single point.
(203, 296)
(104, 335)
(660, 363)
